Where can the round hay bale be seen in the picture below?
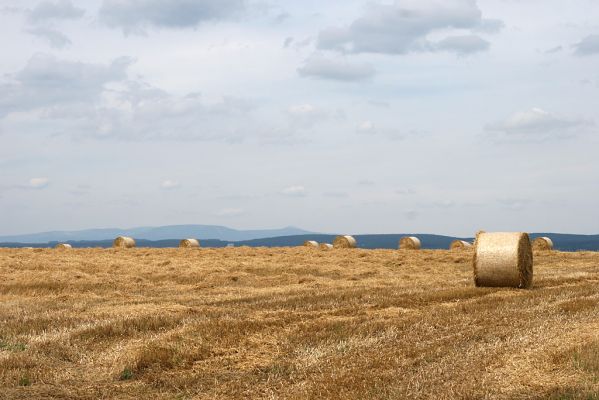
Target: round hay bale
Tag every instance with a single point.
(63, 246)
(325, 246)
(124, 242)
(189, 243)
(460, 245)
(311, 243)
(409, 243)
(542, 244)
(503, 259)
(345, 242)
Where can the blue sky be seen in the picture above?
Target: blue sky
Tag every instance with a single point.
(339, 116)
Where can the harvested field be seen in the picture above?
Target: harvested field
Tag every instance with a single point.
(293, 323)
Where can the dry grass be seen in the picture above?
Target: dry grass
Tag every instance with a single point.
(292, 323)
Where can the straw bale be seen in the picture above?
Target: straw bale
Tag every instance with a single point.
(124, 242)
(460, 245)
(189, 243)
(503, 259)
(542, 244)
(345, 242)
(409, 243)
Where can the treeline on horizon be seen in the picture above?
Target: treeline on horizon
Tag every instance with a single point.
(562, 242)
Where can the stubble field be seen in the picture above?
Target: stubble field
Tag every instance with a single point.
(292, 323)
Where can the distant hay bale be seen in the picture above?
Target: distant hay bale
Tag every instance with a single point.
(409, 243)
(503, 259)
(189, 243)
(345, 242)
(460, 245)
(325, 246)
(311, 243)
(542, 244)
(123, 242)
(63, 246)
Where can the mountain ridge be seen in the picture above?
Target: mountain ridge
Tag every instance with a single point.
(154, 233)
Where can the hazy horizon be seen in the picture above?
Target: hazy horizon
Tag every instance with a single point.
(441, 117)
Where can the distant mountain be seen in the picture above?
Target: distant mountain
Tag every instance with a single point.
(154, 233)
(563, 242)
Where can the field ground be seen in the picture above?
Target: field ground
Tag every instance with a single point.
(292, 323)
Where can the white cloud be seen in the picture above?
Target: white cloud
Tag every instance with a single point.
(54, 37)
(135, 16)
(404, 27)
(230, 212)
(463, 44)
(169, 184)
(38, 183)
(540, 123)
(587, 46)
(47, 82)
(366, 127)
(294, 191)
(57, 10)
(338, 69)
(44, 16)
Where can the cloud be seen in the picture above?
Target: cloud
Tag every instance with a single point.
(553, 50)
(369, 128)
(337, 195)
(46, 82)
(100, 101)
(404, 27)
(37, 183)
(168, 184)
(463, 45)
(45, 14)
(587, 46)
(366, 182)
(537, 122)
(335, 69)
(58, 10)
(55, 38)
(306, 115)
(135, 16)
(230, 212)
(294, 191)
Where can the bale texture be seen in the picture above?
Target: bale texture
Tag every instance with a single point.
(124, 242)
(63, 246)
(189, 243)
(311, 243)
(460, 245)
(542, 244)
(503, 259)
(345, 242)
(326, 246)
(409, 243)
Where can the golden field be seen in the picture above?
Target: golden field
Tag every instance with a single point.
(292, 323)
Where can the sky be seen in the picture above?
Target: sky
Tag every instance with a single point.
(340, 116)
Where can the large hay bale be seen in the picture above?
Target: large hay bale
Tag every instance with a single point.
(503, 259)
(345, 242)
(542, 243)
(189, 243)
(325, 246)
(409, 243)
(63, 246)
(460, 245)
(124, 242)
(311, 243)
